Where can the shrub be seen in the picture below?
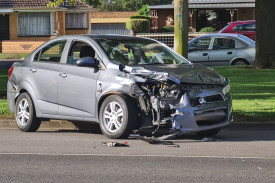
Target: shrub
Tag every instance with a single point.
(139, 25)
(207, 29)
(139, 17)
(166, 29)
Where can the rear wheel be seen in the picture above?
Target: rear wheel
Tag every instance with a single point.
(25, 116)
(240, 62)
(117, 116)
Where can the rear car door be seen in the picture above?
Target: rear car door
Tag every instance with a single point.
(222, 52)
(44, 74)
(198, 50)
(77, 85)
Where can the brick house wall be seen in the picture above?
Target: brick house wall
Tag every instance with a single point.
(22, 44)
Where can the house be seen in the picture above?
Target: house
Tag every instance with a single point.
(111, 22)
(205, 13)
(26, 24)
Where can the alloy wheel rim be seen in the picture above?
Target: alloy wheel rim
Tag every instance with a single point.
(113, 117)
(23, 112)
(240, 63)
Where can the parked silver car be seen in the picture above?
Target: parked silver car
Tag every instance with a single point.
(123, 83)
(222, 49)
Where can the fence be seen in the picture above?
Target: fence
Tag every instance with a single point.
(168, 38)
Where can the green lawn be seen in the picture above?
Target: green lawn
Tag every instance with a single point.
(253, 93)
(13, 55)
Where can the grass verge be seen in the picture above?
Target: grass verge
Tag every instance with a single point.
(252, 92)
(13, 55)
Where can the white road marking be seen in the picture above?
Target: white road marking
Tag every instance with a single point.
(131, 155)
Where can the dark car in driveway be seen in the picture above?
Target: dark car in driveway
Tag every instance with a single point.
(123, 83)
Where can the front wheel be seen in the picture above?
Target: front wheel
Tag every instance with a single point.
(117, 116)
(25, 116)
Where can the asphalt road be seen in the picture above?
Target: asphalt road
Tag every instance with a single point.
(6, 64)
(236, 155)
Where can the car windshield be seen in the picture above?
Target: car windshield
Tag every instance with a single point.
(250, 41)
(139, 52)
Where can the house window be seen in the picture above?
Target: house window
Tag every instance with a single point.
(76, 20)
(34, 24)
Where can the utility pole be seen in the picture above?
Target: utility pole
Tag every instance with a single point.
(181, 15)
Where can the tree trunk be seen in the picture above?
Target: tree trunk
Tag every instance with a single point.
(265, 38)
(181, 15)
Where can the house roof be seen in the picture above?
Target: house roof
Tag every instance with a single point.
(36, 4)
(212, 4)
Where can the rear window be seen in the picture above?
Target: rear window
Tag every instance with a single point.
(247, 40)
(225, 28)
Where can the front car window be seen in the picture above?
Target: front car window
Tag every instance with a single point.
(200, 44)
(51, 53)
(139, 52)
(223, 43)
(80, 50)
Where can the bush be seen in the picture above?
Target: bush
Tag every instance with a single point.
(207, 29)
(139, 25)
(166, 29)
(139, 17)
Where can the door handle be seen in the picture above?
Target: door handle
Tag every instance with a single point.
(204, 54)
(63, 75)
(229, 53)
(33, 70)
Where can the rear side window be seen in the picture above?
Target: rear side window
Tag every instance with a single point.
(245, 27)
(223, 43)
(51, 53)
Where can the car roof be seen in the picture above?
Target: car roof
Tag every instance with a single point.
(221, 35)
(105, 36)
(242, 22)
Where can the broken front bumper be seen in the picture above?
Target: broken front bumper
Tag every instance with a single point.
(189, 119)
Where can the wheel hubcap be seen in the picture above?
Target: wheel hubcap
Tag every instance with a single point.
(240, 63)
(23, 112)
(113, 117)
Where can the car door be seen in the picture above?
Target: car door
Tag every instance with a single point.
(43, 76)
(222, 51)
(77, 85)
(198, 50)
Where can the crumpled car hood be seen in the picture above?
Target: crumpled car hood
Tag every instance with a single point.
(188, 73)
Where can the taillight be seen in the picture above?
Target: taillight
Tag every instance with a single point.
(10, 72)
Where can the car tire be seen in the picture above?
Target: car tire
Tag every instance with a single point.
(25, 116)
(208, 133)
(117, 116)
(240, 62)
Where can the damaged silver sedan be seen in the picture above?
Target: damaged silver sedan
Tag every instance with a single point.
(123, 83)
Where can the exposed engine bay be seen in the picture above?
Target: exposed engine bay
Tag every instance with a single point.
(185, 107)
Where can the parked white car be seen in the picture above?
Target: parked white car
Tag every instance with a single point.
(222, 49)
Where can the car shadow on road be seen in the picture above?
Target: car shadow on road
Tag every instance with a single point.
(240, 132)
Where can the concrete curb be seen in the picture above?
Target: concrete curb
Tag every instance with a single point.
(62, 124)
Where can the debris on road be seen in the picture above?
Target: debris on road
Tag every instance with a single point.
(154, 140)
(116, 144)
(208, 139)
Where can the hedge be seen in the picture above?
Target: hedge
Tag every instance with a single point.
(139, 25)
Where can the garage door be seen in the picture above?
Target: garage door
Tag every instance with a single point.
(113, 28)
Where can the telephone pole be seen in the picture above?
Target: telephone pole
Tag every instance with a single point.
(181, 14)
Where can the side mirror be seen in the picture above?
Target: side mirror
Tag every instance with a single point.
(87, 62)
(192, 49)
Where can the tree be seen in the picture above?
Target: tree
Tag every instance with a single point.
(265, 38)
(93, 3)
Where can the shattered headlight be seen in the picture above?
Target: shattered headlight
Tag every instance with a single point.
(226, 89)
